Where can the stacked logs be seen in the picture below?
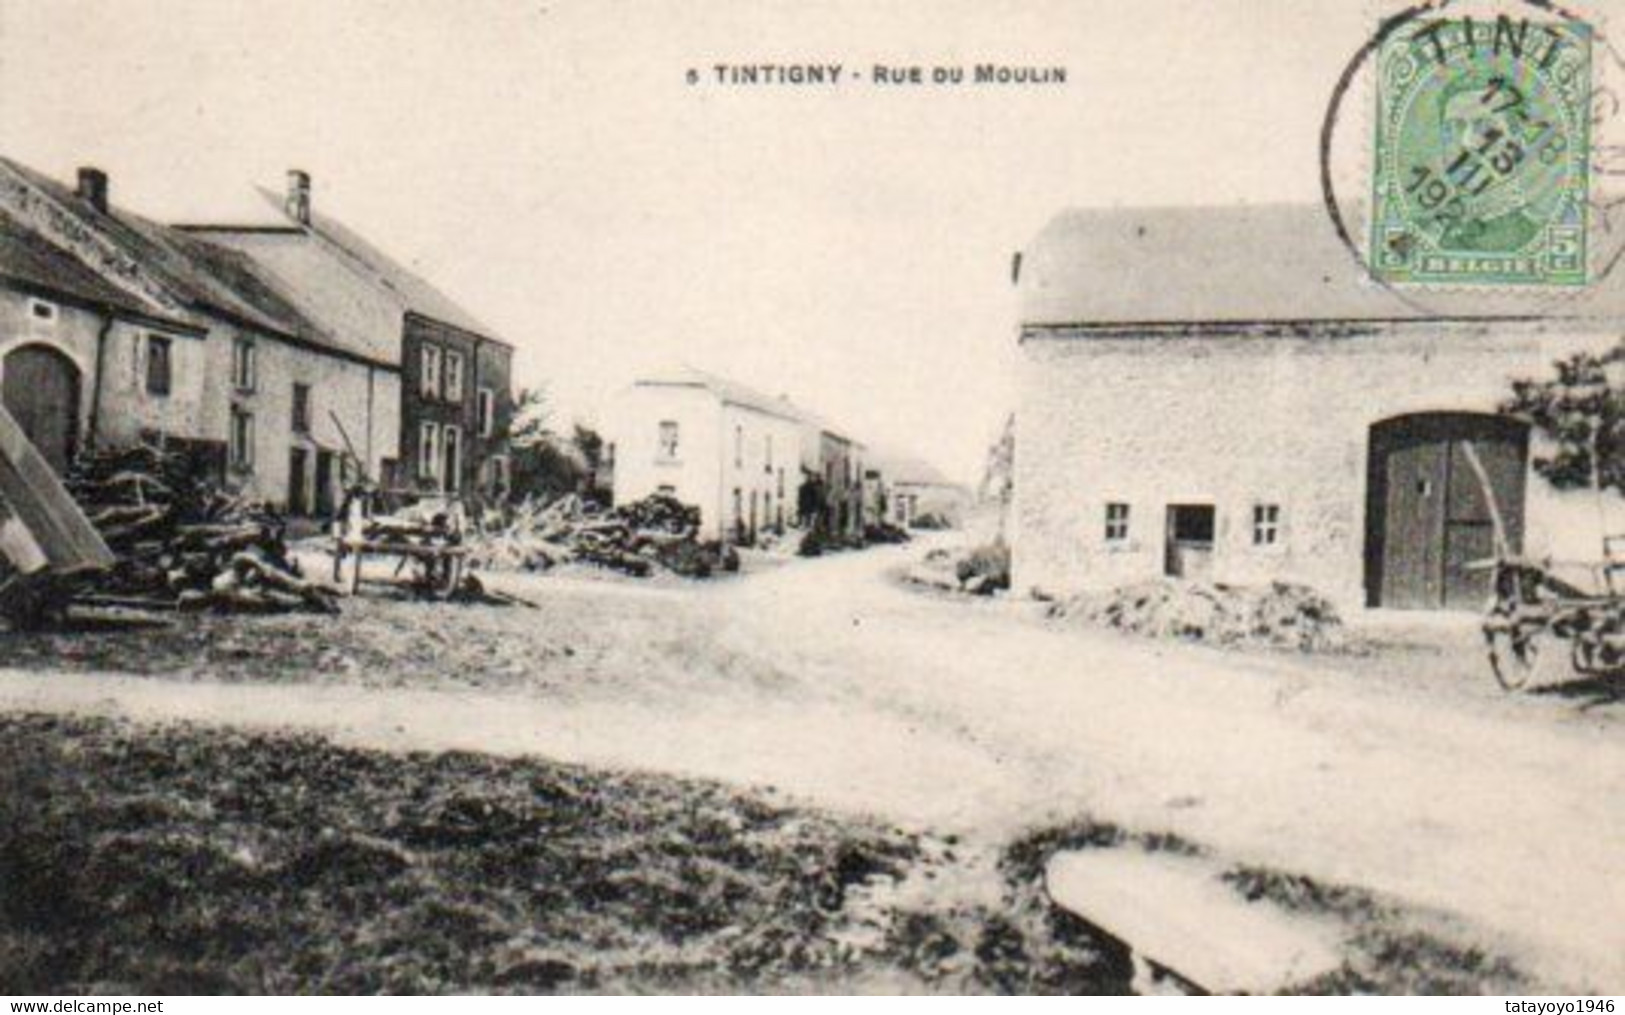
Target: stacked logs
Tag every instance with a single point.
(658, 533)
(182, 542)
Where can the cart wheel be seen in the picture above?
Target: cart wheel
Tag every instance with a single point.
(1515, 657)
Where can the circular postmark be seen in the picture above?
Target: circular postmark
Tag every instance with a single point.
(1491, 151)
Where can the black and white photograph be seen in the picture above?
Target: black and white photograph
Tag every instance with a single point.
(751, 497)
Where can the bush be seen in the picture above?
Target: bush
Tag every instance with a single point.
(986, 569)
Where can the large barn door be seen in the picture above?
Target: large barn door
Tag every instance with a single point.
(41, 390)
(1429, 516)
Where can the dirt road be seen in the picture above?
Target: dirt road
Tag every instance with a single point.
(825, 680)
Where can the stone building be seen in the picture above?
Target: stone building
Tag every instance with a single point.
(115, 328)
(1218, 393)
(709, 442)
(455, 393)
(918, 494)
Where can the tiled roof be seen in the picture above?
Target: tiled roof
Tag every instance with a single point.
(1242, 264)
(30, 260)
(202, 275)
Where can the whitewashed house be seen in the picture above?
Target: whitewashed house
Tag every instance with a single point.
(733, 452)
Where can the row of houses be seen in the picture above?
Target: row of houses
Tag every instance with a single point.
(290, 357)
(752, 462)
(1218, 394)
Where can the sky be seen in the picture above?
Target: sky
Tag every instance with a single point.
(549, 165)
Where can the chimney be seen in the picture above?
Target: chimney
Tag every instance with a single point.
(297, 203)
(93, 188)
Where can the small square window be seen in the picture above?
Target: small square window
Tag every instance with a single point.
(1266, 524)
(1117, 515)
(41, 310)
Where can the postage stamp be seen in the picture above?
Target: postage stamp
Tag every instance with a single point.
(1480, 173)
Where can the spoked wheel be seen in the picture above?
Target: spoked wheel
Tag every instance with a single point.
(1515, 656)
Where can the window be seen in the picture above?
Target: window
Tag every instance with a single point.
(454, 376)
(1116, 522)
(487, 406)
(428, 451)
(160, 368)
(739, 447)
(429, 374)
(40, 310)
(452, 437)
(242, 439)
(301, 408)
(499, 472)
(668, 440)
(767, 452)
(1266, 524)
(781, 482)
(244, 372)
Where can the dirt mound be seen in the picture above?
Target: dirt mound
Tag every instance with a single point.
(1279, 615)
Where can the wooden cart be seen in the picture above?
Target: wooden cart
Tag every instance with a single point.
(1533, 611)
(429, 543)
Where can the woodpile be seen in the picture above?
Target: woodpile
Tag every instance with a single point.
(182, 542)
(658, 533)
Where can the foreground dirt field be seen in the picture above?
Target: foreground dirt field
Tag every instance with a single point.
(1461, 839)
(181, 860)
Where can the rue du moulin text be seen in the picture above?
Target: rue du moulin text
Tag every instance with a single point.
(835, 74)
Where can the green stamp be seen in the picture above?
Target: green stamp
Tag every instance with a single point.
(1482, 153)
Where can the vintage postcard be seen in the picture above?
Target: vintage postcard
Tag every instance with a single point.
(750, 497)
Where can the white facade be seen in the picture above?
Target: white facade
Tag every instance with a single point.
(738, 463)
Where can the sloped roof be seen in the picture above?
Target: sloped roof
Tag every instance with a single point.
(327, 285)
(903, 468)
(730, 391)
(338, 278)
(27, 258)
(1246, 263)
(416, 293)
(199, 274)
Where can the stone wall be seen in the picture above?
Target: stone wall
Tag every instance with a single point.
(1243, 418)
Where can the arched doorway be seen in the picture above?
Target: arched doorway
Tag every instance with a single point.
(1436, 484)
(40, 389)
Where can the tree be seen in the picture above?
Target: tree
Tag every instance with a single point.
(1581, 413)
(545, 463)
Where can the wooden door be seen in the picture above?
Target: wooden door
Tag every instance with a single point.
(324, 484)
(1413, 569)
(298, 481)
(1438, 483)
(41, 390)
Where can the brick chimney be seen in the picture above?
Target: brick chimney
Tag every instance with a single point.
(93, 187)
(297, 203)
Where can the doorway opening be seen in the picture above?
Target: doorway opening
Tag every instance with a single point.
(1190, 531)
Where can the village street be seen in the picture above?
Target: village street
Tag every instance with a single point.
(829, 682)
